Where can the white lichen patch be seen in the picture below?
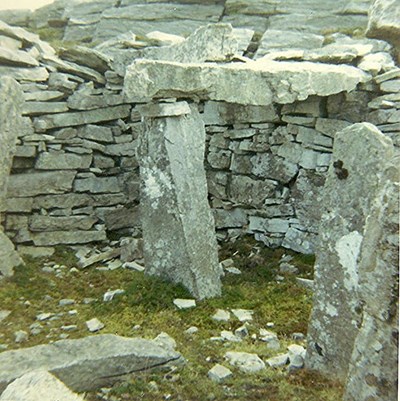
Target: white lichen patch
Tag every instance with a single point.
(348, 249)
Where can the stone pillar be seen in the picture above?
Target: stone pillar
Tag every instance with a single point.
(11, 99)
(373, 370)
(178, 228)
(359, 158)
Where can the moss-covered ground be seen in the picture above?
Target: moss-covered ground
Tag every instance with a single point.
(148, 304)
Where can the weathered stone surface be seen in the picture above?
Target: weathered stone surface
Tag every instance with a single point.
(214, 42)
(276, 39)
(178, 228)
(40, 183)
(37, 108)
(17, 58)
(244, 190)
(47, 122)
(384, 21)
(351, 186)
(97, 185)
(51, 238)
(178, 19)
(246, 362)
(221, 113)
(38, 385)
(273, 167)
(373, 371)
(88, 57)
(62, 161)
(49, 223)
(38, 74)
(88, 363)
(263, 82)
(11, 100)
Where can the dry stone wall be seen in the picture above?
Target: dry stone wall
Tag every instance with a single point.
(75, 174)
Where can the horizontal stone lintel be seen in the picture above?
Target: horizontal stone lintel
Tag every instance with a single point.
(259, 83)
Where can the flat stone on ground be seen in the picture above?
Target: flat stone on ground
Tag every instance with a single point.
(219, 373)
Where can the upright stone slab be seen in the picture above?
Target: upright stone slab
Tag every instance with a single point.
(373, 370)
(359, 158)
(11, 100)
(178, 227)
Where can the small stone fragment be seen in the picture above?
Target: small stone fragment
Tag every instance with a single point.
(242, 332)
(44, 316)
(191, 330)
(65, 302)
(133, 266)
(278, 361)
(219, 373)
(94, 325)
(229, 336)
(244, 315)
(184, 303)
(109, 295)
(246, 362)
(21, 336)
(71, 327)
(4, 314)
(221, 315)
(165, 340)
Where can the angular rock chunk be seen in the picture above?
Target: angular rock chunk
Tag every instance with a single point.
(351, 186)
(16, 57)
(178, 228)
(87, 363)
(38, 385)
(254, 83)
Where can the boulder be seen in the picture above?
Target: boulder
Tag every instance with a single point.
(351, 186)
(88, 363)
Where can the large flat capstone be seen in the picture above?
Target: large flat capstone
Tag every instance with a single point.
(178, 227)
(360, 154)
(87, 363)
(260, 82)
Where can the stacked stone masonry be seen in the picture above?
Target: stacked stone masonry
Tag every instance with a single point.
(75, 174)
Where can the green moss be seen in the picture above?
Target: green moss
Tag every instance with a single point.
(148, 302)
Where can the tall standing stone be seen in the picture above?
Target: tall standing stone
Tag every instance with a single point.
(373, 371)
(359, 157)
(11, 100)
(178, 227)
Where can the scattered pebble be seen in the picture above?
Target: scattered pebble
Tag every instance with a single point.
(278, 360)
(27, 303)
(35, 328)
(87, 301)
(229, 336)
(165, 340)
(270, 324)
(246, 362)
(63, 336)
(221, 315)
(184, 303)
(305, 283)
(219, 373)
(4, 314)
(288, 268)
(298, 336)
(44, 316)
(153, 386)
(21, 336)
(233, 270)
(114, 264)
(66, 302)
(192, 330)
(136, 327)
(72, 312)
(71, 327)
(133, 266)
(94, 325)
(242, 331)
(244, 315)
(227, 263)
(73, 270)
(297, 355)
(109, 295)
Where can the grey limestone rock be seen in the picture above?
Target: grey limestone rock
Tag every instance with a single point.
(219, 373)
(11, 100)
(384, 21)
(38, 385)
(373, 370)
(246, 362)
(263, 82)
(178, 228)
(351, 186)
(87, 363)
